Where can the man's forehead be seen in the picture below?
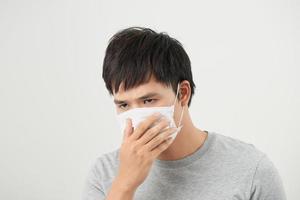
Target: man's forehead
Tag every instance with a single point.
(148, 89)
(138, 92)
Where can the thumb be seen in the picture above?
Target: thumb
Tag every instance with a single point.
(128, 129)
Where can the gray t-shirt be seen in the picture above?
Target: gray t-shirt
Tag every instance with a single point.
(223, 168)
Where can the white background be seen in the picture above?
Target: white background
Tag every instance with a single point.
(56, 116)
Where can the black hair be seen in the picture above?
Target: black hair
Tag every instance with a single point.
(135, 53)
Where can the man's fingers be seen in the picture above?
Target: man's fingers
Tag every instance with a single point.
(156, 141)
(154, 131)
(144, 125)
(162, 147)
(128, 129)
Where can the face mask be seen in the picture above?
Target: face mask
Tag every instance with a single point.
(137, 115)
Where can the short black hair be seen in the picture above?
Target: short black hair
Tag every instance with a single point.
(135, 53)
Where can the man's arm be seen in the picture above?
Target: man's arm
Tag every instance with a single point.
(267, 183)
(120, 192)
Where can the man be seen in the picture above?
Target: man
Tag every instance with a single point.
(162, 157)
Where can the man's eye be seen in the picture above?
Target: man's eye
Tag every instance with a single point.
(123, 106)
(148, 101)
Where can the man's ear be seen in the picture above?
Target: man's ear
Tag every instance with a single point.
(184, 92)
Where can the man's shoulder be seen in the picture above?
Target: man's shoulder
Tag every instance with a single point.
(111, 157)
(233, 148)
(246, 160)
(106, 164)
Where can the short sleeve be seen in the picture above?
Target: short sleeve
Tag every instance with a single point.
(267, 183)
(92, 189)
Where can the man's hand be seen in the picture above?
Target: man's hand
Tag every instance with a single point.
(139, 149)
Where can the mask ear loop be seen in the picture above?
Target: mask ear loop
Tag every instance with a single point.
(176, 94)
(180, 119)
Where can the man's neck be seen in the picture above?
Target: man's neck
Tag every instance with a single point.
(188, 140)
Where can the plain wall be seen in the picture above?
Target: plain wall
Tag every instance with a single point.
(56, 116)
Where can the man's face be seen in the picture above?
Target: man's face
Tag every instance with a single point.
(151, 94)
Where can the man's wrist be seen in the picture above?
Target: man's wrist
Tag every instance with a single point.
(119, 191)
(119, 185)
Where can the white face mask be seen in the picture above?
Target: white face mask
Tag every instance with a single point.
(138, 115)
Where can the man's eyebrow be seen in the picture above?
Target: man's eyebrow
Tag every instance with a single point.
(149, 95)
(119, 101)
(146, 96)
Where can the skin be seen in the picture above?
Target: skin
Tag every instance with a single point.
(140, 147)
